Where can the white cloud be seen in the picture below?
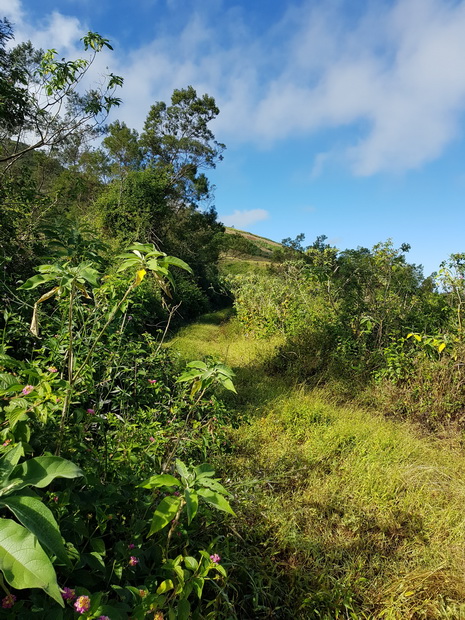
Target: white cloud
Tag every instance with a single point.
(11, 9)
(244, 219)
(392, 78)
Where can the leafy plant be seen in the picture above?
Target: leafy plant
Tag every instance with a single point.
(203, 375)
(196, 483)
(23, 561)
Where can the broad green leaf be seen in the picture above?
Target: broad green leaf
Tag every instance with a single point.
(165, 586)
(9, 461)
(197, 585)
(216, 500)
(184, 609)
(192, 504)
(214, 485)
(229, 385)
(36, 281)
(204, 470)
(40, 472)
(221, 569)
(182, 469)
(164, 513)
(176, 262)
(197, 364)
(16, 414)
(90, 275)
(98, 545)
(39, 520)
(191, 563)
(94, 561)
(188, 375)
(7, 380)
(130, 262)
(162, 480)
(23, 561)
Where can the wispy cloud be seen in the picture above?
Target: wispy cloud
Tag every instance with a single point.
(11, 9)
(392, 77)
(244, 219)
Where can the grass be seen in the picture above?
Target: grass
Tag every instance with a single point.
(341, 513)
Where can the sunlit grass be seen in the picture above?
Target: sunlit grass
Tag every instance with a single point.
(341, 513)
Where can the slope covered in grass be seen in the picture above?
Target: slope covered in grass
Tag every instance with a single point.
(341, 513)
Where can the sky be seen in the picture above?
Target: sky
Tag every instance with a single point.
(340, 117)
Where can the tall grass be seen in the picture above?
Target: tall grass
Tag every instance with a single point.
(341, 513)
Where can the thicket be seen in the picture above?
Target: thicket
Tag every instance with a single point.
(367, 321)
(108, 508)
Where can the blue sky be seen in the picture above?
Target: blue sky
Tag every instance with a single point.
(340, 117)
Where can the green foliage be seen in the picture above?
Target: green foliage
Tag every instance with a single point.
(203, 376)
(23, 561)
(196, 483)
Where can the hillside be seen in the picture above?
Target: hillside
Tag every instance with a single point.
(243, 251)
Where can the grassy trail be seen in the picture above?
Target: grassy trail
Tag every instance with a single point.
(341, 513)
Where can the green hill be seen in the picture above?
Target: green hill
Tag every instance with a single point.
(243, 251)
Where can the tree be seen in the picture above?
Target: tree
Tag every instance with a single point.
(47, 104)
(14, 96)
(122, 148)
(177, 138)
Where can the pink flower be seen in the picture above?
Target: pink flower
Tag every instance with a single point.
(5, 443)
(52, 369)
(131, 546)
(8, 601)
(152, 381)
(133, 561)
(91, 411)
(103, 618)
(151, 438)
(82, 604)
(68, 594)
(27, 389)
(55, 499)
(215, 558)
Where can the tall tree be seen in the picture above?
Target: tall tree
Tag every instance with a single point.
(177, 138)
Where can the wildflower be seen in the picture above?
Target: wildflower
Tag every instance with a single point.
(52, 369)
(8, 601)
(133, 561)
(27, 389)
(142, 593)
(158, 615)
(68, 594)
(5, 443)
(151, 438)
(91, 411)
(55, 499)
(82, 604)
(131, 546)
(103, 618)
(215, 558)
(152, 381)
